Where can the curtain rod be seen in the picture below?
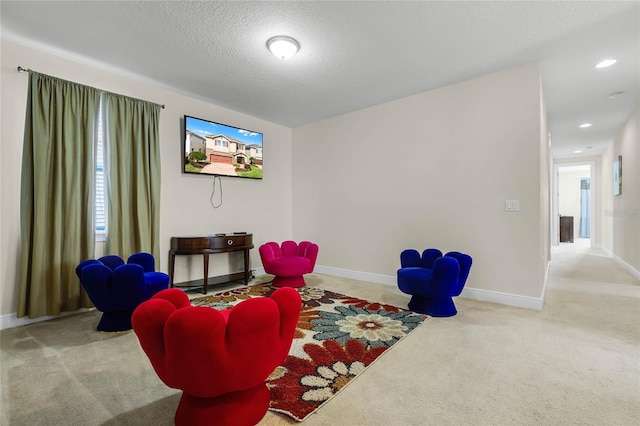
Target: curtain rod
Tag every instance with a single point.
(20, 69)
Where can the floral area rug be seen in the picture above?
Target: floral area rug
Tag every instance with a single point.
(337, 337)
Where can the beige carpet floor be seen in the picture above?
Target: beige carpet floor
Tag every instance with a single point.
(576, 362)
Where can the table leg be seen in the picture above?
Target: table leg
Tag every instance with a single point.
(206, 273)
(172, 260)
(246, 266)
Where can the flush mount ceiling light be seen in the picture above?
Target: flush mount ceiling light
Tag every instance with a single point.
(582, 126)
(283, 47)
(606, 63)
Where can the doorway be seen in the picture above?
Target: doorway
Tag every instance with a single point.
(574, 204)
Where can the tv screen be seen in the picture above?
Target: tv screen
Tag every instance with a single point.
(212, 148)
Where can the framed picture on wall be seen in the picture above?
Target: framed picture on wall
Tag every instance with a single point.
(617, 175)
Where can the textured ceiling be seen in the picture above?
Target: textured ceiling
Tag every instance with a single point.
(354, 54)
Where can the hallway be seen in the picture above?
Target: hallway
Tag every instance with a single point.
(589, 288)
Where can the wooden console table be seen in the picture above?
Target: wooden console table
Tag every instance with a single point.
(205, 245)
(566, 229)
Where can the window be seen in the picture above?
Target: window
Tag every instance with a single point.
(100, 201)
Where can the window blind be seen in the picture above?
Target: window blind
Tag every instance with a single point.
(100, 201)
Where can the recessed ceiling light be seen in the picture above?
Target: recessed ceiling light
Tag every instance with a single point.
(606, 63)
(577, 151)
(584, 125)
(283, 47)
(615, 94)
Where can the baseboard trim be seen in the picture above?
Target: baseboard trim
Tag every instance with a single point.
(604, 249)
(356, 275)
(481, 295)
(12, 320)
(536, 303)
(545, 282)
(528, 302)
(630, 269)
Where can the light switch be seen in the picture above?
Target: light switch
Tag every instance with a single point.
(512, 206)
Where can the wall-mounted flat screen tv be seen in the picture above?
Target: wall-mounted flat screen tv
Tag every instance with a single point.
(212, 148)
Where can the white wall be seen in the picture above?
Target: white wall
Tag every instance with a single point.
(606, 194)
(261, 207)
(621, 218)
(432, 170)
(544, 190)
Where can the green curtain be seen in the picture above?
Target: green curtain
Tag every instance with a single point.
(132, 172)
(56, 203)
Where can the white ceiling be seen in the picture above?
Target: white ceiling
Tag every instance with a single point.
(354, 54)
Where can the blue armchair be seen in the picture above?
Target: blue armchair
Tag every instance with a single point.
(433, 280)
(116, 288)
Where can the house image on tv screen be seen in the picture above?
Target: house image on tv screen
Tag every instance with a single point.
(223, 149)
(217, 149)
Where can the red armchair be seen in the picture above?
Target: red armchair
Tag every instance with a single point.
(289, 261)
(219, 359)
